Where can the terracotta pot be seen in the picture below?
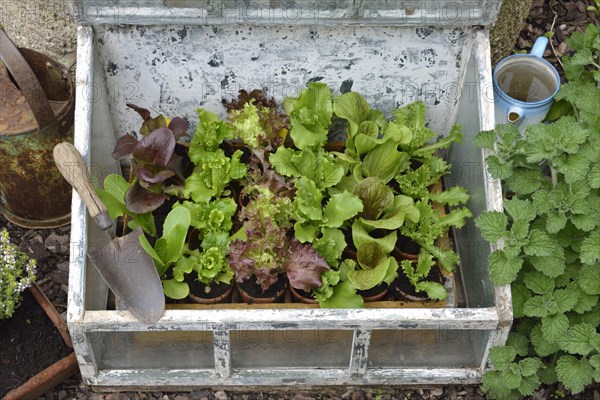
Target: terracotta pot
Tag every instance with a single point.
(210, 294)
(402, 289)
(406, 249)
(251, 292)
(302, 296)
(61, 370)
(374, 294)
(403, 294)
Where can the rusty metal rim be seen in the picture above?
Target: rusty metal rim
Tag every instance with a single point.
(35, 224)
(52, 313)
(63, 115)
(28, 82)
(45, 380)
(59, 119)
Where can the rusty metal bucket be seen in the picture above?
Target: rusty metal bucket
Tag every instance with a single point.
(36, 112)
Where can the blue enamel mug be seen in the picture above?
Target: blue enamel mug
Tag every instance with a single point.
(524, 87)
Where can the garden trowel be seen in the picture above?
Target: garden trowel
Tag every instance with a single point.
(126, 267)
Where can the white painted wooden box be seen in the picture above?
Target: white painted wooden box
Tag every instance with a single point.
(173, 56)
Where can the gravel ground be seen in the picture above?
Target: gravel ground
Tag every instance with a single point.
(68, 392)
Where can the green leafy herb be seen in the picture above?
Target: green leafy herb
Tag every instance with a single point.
(548, 237)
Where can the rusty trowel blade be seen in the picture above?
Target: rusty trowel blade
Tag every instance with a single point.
(130, 273)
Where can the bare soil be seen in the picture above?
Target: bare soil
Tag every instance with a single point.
(29, 342)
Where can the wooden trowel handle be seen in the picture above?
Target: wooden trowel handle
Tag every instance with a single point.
(73, 168)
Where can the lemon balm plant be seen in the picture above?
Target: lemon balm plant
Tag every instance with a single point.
(550, 236)
(17, 273)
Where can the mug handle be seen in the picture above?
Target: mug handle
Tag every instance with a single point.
(539, 47)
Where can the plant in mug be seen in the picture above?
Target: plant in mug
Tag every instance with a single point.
(548, 238)
(17, 273)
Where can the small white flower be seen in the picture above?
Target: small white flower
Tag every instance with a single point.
(17, 272)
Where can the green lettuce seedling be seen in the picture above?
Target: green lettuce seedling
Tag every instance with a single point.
(210, 264)
(213, 169)
(113, 197)
(382, 155)
(168, 249)
(310, 115)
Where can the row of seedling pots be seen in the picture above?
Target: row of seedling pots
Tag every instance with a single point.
(265, 200)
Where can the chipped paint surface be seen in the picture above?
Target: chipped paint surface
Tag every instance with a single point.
(182, 379)
(360, 353)
(307, 12)
(175, 68)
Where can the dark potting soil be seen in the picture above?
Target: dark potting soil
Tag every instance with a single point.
(255, 290)
(303, 294)
(29, 342)
(374, 291)
(402, 284)
(199, 289)
(407, 245)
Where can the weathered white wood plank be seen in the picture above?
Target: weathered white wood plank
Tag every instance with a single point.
(308, 319)
(360, 353)
(502, 294)
(222, 350)
(158, 379)
(79, 240)
(261, 12)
